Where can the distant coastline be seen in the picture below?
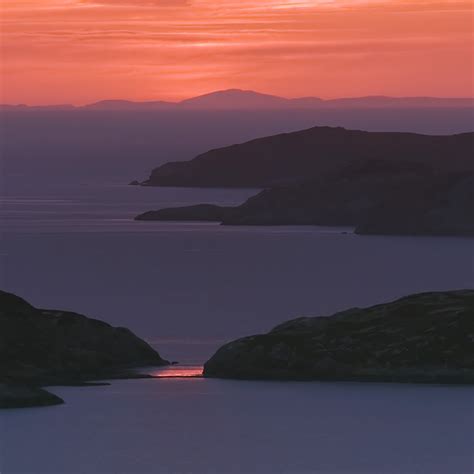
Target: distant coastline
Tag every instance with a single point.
(378, 183)
(238, 99)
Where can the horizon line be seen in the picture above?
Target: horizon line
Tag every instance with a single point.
(178, 102)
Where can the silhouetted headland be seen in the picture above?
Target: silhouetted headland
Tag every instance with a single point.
(422, 338)
(49, 347)
(379, 183)
(316, 153)
(198, 212)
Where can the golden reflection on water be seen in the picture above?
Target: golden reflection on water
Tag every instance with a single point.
(177, 371)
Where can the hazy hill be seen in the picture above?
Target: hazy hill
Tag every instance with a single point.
(237, 99)
(242, 99)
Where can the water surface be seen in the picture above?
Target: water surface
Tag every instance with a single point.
(189, 287)
(170, 426)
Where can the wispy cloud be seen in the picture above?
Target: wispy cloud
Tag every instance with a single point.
(81, 50)
(136, 3)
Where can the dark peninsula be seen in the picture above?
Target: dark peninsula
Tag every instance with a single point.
(50, 347)
(316, 153)
(199, 212)
(422, 338)
(378, 183)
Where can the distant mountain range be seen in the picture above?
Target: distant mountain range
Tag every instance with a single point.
(236, 99)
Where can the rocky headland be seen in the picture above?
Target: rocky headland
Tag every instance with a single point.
(41, 347)
(373, 203)
(378, 183)
(315, 154)
(422, 338)
(199, 212)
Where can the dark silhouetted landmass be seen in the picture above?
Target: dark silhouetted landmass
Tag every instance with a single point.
(24, 396)
(318, 152)
(396, 203)
(199, 212)
(443, 205)
(436, 205)
(426, 338)
(380, 183)
(50, 347)
(84, 145)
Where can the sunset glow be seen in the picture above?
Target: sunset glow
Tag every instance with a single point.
(79, 51)
(177, 371)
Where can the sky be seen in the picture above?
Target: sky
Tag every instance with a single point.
(80, 51)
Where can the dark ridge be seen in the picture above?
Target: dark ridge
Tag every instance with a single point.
(50, 347)
(315, 153)
(378, 183)
(422, 338)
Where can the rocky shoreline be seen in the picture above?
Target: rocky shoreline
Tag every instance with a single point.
(41, 348)
(422, 338)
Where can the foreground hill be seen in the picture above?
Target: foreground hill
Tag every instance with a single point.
(426, 337)
(40, 347)
(318, 152)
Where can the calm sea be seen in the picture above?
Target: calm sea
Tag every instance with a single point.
(189, 287)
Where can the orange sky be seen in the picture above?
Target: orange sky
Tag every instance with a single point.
(78, 51)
